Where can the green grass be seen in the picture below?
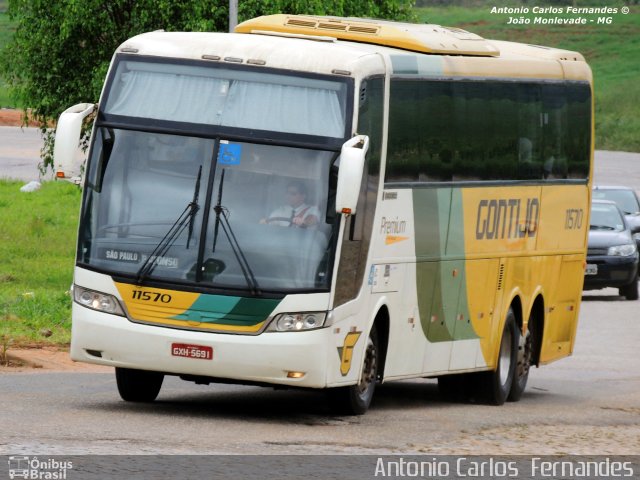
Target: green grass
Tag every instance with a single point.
(37, 247)
(611, 50)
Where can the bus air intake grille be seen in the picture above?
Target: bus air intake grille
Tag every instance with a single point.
(333, 26)
(296, 22)
(501, 276)
(365, 30)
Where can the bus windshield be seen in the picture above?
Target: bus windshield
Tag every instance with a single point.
(260, 224)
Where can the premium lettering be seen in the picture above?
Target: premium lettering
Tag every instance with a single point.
(393, 226)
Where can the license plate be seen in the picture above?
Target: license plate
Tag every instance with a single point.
(592, 269)
(191, 351)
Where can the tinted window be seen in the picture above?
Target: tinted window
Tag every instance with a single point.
(370, 119)
(485, 130)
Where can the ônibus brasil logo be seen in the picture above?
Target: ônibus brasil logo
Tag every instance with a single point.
(35, 469)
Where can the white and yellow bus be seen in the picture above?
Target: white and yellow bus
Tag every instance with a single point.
(332, 203)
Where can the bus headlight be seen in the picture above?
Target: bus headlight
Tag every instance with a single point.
(622, 250)
(101, 302)
(297, 322)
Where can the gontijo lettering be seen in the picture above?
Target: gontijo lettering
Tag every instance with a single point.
(507, 218)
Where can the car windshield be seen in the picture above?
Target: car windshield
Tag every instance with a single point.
(168, 207)
(606, 217)
(625, 199)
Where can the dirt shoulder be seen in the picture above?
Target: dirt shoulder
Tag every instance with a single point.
(48, 359)
(12, 118)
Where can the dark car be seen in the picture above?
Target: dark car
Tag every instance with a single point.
(612, 255)
(627, 201)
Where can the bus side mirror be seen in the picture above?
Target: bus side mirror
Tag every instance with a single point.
(350, 173)
(68, 139)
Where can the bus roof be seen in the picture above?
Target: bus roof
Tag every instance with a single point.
(352, 46)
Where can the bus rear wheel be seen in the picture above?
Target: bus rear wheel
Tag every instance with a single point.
(523, 363)
(356, 399)
(138, 385)
(498, 383)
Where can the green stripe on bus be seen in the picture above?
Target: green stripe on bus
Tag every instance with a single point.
(225, 310)
(441, 282)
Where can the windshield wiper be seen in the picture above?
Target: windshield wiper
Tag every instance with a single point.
(173, 233)
(222, 219)
(194, 206)
(601, 227)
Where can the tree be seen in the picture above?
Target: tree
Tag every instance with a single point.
(61, 50)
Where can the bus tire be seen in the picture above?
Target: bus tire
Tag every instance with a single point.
(498, 382)
(356, 399)
(523, 363)
(138, 385)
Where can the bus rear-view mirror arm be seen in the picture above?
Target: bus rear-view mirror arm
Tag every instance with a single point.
(68, 139)
(352, 159)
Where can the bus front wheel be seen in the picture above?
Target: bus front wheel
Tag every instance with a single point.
(138, 385)
(498, 382)
(356, 399)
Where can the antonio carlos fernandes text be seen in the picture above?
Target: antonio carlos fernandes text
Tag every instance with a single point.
(537, 466)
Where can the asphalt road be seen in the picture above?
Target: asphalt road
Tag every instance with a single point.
(20, 153)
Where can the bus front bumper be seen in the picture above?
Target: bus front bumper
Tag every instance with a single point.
(284, 358)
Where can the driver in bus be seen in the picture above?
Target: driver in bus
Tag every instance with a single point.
(297, 212)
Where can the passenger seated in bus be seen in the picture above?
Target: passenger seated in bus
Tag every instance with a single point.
(525, 148)
(529, 164)
(297, 212)
(554, 165)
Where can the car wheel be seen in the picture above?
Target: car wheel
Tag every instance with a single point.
(630, 292)
(138, 385)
